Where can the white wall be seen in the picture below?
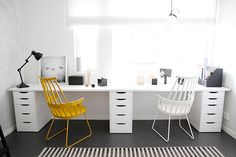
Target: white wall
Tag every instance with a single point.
(224, 57)
(46, 31)
(11, 49)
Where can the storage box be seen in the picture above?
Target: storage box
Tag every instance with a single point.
(213, 80)
(76, 80)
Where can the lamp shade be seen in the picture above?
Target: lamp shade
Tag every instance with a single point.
(37, 55)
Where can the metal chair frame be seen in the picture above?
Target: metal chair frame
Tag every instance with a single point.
(178, 103)
(5, 149)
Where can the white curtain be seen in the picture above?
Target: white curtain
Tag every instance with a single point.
(137, 34)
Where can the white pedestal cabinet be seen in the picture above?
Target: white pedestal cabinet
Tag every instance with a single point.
(207, 111)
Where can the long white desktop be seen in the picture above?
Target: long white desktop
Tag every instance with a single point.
(119, 104)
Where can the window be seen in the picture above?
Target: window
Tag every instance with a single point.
(86, 46)
(131, 36)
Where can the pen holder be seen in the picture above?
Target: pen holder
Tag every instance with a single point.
(154, 81)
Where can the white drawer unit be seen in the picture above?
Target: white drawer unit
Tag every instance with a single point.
(121, 111)
(207, 111)
(31, 115)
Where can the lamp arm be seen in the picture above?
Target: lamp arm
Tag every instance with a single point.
(26, 61)
(19, 70)
(20, 76)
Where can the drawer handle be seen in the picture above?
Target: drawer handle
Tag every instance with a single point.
(24, 98)
(27, 122)
(24, 104)
(120, 105)
(211, 114)
(120, 92)
(23, 92)
(120, 99)
(120, 115)
(211, 104)
(213, 92)
(120, 123)
(210, 122)
(212, 98)
(25, 113)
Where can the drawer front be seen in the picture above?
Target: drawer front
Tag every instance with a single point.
(120, 127)
(23, 94)
(120, 109)
(210, 127)
(121, 118)
(211, 117)
(121, 94)
(18, 101)
(26, 116)
(26, 126)
(214, 94)
(25, 108)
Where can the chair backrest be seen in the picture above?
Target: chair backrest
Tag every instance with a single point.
(57, 102)
(183, 89)
(52, 91)
(181, 97)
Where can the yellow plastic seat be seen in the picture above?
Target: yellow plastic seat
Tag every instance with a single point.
(62, 108)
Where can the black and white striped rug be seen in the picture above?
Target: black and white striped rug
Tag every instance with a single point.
(132, 152)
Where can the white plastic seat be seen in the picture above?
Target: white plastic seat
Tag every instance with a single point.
(178, 103)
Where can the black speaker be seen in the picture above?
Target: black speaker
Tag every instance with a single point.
(76, 80)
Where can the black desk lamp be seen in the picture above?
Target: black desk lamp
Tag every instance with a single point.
(37, 56)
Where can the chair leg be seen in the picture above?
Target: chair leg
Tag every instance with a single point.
(49, 131)
(168, 134)
(80, 140)
(190, 128)
(5, 149)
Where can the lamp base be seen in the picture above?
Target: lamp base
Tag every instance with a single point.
(22, 85)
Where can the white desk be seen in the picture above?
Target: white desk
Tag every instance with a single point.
(32, 113)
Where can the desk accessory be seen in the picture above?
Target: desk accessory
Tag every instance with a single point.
(211, 77)
(76, 80)
(154, 81)
(165, 73)
(140, 80)
(37, 56)
(88, 76)
(102, 82)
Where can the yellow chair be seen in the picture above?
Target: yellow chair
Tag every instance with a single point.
(62, 108)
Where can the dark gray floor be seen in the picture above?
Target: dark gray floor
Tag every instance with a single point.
(31, 144)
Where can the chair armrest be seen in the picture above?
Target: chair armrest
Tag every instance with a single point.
(77, 102)
(165, 101)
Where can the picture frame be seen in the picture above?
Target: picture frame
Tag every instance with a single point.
(54, 66)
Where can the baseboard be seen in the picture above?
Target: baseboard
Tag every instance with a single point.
(9, 130)
(229, 131)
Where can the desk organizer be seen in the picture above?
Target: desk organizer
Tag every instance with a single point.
(214, 79)
(102, 82)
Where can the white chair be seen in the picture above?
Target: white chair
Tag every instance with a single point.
(178, 103)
